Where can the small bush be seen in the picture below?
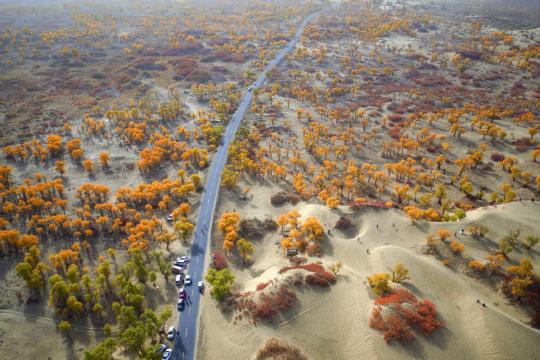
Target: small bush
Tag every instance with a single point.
(275, 349)
(218, 261)
(317, 280)
(263, 285)
(343, 223)
(279, 199)
(376, 320)
(497, 157)
(397, 329)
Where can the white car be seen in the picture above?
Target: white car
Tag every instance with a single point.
(187, 280)
(184, 258)
(167, 354)
(169, 218)
(171, 332)
(200, 285)
(177, 269)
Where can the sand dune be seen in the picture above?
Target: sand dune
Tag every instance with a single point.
(332, 324)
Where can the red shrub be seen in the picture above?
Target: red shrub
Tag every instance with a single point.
(263, 310)
(314, 279)
(263, 285)
(284, 299)
(218, 261)
(314, 249)
(397, 296)
(497, 157)
(405, 311)
(395, 133)
(321, 275)
(376, 320)
(343, 223)
(297, 260)
(397, 329)
(395, 118)
(411, 316)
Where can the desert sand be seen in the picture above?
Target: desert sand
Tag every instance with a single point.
(333, 323)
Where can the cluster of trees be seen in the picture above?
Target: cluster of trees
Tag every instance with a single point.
(228, 226)
(380, 282)
(304, 236)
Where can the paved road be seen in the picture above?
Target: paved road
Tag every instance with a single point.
(184, 347)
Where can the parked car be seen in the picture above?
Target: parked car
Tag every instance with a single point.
(184, 258)
(169, 218)
(182, 293)
(181, 263)
(178, 280)
(200, 285)
(167, 354)
(177, 269)
(161, 348)
(181, 305)
(171, 332)
(187, 280)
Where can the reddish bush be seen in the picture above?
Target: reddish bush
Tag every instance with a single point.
(523, 144)
(263, 285)
(314, 249)
(271, 304)
(397, 329)
(314, 268)
(376, 320)
(264, 310)
(404, 311)
(397, 296)
(317, 280)
(411, 316)
(343, 223)
(279, 199)
(218, 261)
(279, 349)
(284, 299)
(297, 260)
(395, 133)
(395, 118)
(497, 157)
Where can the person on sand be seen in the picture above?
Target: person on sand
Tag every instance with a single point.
(484, 305)
(477, 301)
(367, 250)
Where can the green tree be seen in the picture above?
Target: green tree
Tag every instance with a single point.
(64, 327)
(245, 248)
(221, 282)
(102, 351)
(399, 273)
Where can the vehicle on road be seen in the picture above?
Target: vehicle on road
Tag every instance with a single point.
(181, 305)
(161, 348)
(182, 293)
(200, 285)
(187, 280)
(169, 218)
(178, 280)
(167, 354)
(171, 332)
(250, 88)
(177, 269)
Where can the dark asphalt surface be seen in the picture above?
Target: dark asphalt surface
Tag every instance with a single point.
(185, 344)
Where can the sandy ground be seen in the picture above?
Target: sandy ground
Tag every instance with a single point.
(333, 323)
